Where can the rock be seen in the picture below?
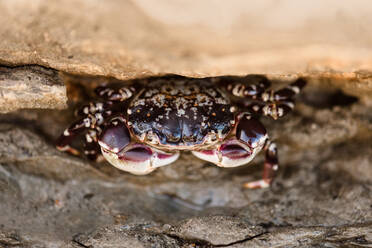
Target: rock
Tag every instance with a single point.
(31, 153)
(123, 236)
(228, 230)
(357, 83)
(10, 239)
(348, 236)
(30, 87)
(134, 39)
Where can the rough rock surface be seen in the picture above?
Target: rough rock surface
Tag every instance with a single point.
(31, 87)
(131, 39)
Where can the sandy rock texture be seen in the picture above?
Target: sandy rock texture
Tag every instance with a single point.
(130, 39)
(51, 51)
(31, 87)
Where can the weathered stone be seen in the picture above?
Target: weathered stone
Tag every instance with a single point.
(127, 236)
(10, 239)
(31, 153)
(132, 39)
(217, 230)
(30, 87)
(344, 236)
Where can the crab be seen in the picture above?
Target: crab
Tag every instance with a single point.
(145, 124)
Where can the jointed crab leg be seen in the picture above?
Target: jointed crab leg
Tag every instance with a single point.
(95, 107)
(80, 126)
(271, 103)
(288, 92)
(273, 109)
(91, 124)
(277, 104)
(110, 94)
(247, 89)
(270, 167)
(94, 115)
(91, 147)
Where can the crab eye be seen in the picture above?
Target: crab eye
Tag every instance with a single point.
(115, 136)
(250, 131)
(234, 151)
(137, 154)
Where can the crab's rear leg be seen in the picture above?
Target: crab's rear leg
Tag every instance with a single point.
(271, 166)
(77, 128)
(105, 108)
(91, 148)
(271, 103)
(94, 115)
(278, 103)
(273, 109)
(111, 94)
(251, 86)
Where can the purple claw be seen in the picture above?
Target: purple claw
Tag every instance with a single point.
(115, 136)
(137, 154)
(234, 151)
(250, 131)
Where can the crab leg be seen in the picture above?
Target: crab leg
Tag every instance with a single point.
(91, 147)
(94, 115)
(289, 91)
(110, 94)
(271, 165)
(276, 104)
(271, 103)
(91, 124)
(95, 107)
(247, 89)
(272, 109)
(80, 126)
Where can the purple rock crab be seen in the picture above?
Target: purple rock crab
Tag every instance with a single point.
(144, 124)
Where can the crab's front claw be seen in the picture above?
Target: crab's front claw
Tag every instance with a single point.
(230, 154)
(249, 139)
(139, 159)
(115, 136)
(251, 132)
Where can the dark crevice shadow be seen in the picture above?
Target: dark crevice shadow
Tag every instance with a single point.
(327, 99)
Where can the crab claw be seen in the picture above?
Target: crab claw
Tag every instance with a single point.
(251, 132)
(139, 159)
(115, 137)
(121, 152)
(250, 137)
